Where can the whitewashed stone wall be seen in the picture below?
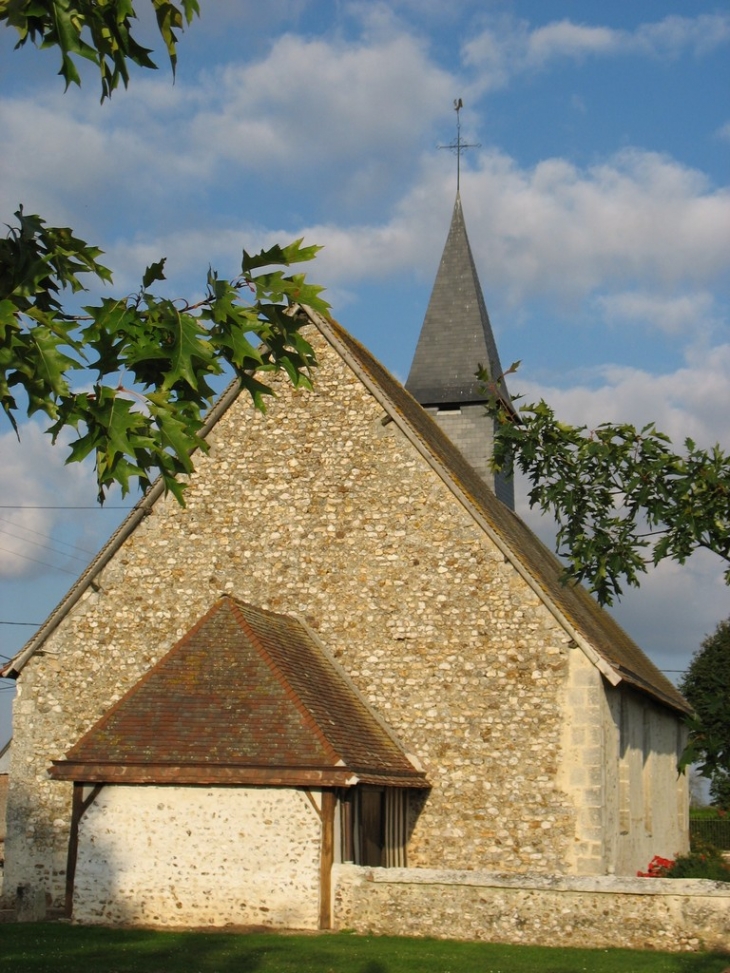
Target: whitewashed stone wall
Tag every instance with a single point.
(319, 510)
(667, 914)
(620, 755)
(651, 799)
(171, 856)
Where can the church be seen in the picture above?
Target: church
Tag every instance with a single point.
(346, 649)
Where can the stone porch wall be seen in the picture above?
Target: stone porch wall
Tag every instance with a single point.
(201, 856)
(596, 912)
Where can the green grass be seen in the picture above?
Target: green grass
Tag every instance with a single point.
(61, 948)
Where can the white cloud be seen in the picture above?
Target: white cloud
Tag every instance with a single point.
(104, 161)
(333, 118)
(311, 102)
(683, 314)
(670, 36)
(693, 401)
(566, 39)
(640, 237)
(509, 47)
(723, 133)
(33, 477)
(559, 230)
(344, 120)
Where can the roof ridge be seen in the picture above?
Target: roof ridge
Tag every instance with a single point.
(276, 669)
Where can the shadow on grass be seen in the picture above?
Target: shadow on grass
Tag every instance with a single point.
(61, 948)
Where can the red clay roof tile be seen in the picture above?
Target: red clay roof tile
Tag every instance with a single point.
(246, 695)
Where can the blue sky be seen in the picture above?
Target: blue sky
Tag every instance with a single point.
(597, 205)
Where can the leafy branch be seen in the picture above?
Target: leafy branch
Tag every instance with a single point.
(98, 30)
(705, 685)
(622, 497)
(150, 359)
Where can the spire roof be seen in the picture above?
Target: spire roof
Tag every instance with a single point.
(456, 336)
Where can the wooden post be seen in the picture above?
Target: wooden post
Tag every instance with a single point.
(77, 809)
(78, 806)
(327, 859)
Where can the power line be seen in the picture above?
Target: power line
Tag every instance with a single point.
(32, 624)
(45, 547)
(40, 533)
(36, 561)
(32, 506)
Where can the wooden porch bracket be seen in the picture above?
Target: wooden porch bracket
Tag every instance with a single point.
(78, 807)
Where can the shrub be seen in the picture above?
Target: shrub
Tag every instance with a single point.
(703, 861)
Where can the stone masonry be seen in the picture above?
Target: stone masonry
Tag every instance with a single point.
(320, 510)
(199, 856)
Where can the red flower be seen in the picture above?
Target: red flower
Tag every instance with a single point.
(658, 867)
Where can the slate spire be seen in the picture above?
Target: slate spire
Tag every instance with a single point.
(455, 339)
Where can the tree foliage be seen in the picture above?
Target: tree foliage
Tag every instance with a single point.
(101, 31)
(706, 685)
(622, 497)
(146, 361)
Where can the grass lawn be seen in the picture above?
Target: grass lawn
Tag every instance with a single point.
(61, 948)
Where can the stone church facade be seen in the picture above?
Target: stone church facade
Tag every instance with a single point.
(521, 730)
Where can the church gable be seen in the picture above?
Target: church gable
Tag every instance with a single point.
(322, 510)
(348, 508)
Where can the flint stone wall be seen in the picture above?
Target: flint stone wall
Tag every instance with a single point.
(319, 510)
(182, 856)
(598, 912)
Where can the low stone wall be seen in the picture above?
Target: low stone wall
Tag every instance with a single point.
(596, 912)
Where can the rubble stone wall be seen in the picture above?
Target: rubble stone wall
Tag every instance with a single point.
(639, 913)
(182, 856)
(319, 510)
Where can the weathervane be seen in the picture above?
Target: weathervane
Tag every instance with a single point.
(458, 146)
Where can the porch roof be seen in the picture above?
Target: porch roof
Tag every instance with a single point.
(247, 696)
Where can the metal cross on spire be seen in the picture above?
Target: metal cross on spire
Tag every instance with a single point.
(458, 146)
